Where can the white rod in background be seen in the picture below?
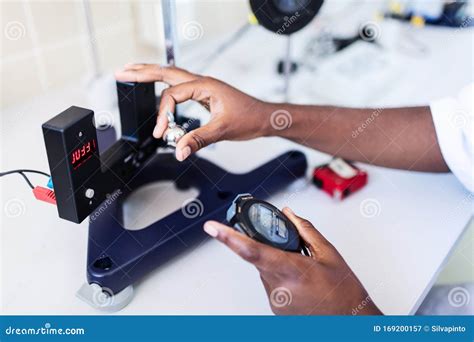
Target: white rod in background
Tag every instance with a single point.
(171, 38)
(92, 38)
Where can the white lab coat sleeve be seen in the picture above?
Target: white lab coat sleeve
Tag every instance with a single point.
(453, 119)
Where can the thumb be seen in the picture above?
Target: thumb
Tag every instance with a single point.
(198, 138)
(313, 238)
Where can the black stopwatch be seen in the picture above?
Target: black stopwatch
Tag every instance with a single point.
(265, 223)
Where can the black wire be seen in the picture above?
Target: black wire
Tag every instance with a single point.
(27, 180)
(22, 173)
(24, 170)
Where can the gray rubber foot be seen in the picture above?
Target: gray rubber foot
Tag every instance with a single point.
(103, 299)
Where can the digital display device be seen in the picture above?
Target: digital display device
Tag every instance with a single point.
(73, 156)
(82, 154)
(265, 223)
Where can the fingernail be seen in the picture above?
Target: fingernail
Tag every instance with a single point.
(156, 132)
(290, 211)
(183, 153)
(210, 229)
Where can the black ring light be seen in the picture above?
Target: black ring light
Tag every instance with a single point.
(285, 16)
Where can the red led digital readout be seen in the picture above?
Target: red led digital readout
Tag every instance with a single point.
(83, 153)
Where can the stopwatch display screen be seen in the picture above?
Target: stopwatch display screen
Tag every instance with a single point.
(268, 223)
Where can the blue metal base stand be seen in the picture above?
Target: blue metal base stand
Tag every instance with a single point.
(117, 258)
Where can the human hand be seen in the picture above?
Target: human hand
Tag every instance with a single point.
(322, 284)
(234, 114)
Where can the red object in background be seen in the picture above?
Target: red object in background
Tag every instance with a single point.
(44, 194)
(339, 187)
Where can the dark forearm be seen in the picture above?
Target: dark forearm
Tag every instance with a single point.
(402, 138)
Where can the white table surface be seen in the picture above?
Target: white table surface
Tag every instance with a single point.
(397, 254)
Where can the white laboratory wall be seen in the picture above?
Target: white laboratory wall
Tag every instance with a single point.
(45, 45)
(196, 20)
